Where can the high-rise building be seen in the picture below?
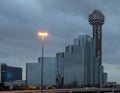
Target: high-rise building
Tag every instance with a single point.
(78, 65)
(78, 62)
(96, 19)
(33, 72)
(9, 73)
(60, 69)
(82, 61)
(78, 59)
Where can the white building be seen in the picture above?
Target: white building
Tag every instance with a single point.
(33, 72)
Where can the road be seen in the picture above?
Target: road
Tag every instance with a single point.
(80, 90)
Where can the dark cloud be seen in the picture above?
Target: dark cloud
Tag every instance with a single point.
(64, 20)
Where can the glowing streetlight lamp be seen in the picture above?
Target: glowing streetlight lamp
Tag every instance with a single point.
(42, 34)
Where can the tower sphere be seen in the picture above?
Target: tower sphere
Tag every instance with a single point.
(96, 18)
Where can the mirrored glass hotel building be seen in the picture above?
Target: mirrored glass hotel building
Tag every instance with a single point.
(78, 64)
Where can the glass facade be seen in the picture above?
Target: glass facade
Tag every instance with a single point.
(33, 72)
(79, 63)
(10, 74)
(60, 69)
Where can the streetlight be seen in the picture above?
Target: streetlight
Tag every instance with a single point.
(42, 34)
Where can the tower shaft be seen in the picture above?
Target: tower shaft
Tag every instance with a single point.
(97, 36)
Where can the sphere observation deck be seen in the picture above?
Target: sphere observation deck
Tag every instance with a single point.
(96, 18)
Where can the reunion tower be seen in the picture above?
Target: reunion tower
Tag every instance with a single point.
(96, 19)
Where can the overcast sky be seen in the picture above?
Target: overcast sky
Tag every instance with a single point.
(64, 20)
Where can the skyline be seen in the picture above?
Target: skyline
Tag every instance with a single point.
(21, 19)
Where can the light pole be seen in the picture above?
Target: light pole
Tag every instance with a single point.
(42, 34)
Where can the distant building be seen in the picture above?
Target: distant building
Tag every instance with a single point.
(97, 19)
(60, 69)
(81, 63)
(105, 78)
(78, 59)
(11, 85)
(33, 72)
(78, 64)
(9, 73)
